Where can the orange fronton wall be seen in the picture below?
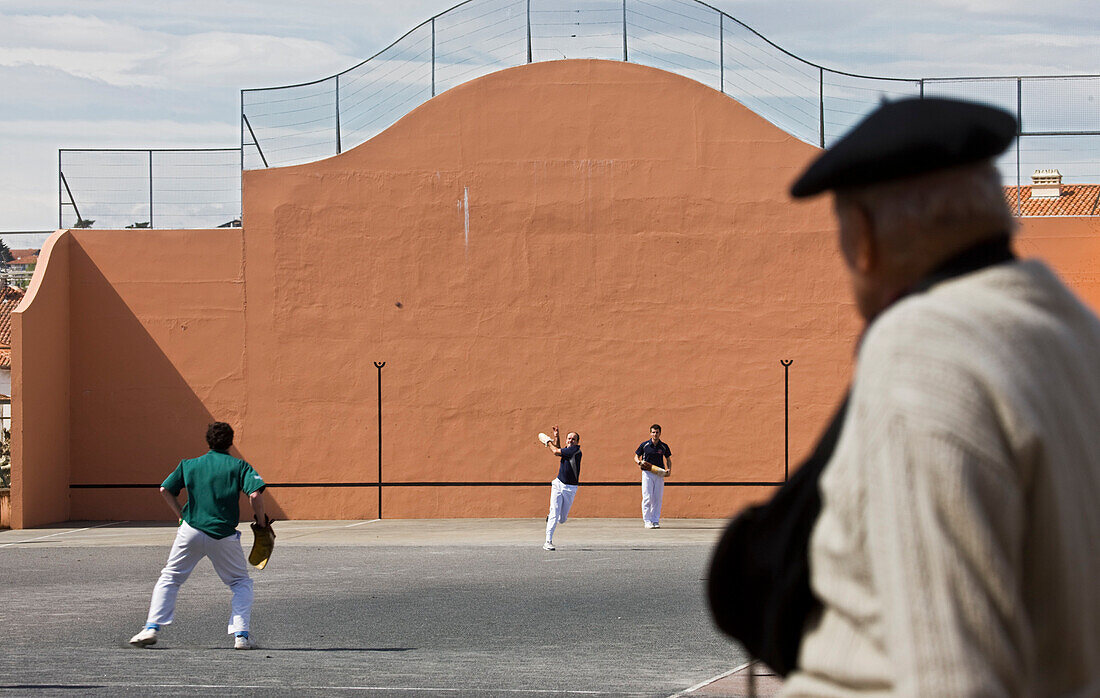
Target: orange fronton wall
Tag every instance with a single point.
(592, 244)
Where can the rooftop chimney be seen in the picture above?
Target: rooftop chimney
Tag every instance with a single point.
(1046, 184)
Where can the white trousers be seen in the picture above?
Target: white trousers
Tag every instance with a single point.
(190, 546)
(653, 492)
(561, 500)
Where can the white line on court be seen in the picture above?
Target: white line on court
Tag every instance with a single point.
(361, 523)
(405, 689)
(709, 681)
(61, 533)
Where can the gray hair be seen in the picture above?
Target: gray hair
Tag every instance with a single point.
(943, 210)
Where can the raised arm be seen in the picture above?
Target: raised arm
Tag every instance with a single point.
(554, 444)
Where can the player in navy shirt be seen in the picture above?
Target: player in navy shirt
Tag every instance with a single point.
(653, 453)
(564, 487)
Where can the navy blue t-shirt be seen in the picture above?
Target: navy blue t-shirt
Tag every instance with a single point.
(565, 471)
(653, 454)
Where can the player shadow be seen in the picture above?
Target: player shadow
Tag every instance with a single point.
(605, 550)
(51, 686)
(263, 648)
(133, 411)
(340, 649)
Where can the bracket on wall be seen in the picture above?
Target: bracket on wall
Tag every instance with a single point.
(379, 366)
(786, 416)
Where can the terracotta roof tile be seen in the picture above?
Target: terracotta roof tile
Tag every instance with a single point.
(1076, 200)
(9, 299)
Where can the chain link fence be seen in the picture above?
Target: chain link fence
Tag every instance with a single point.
(1059, 116)
(185, 188)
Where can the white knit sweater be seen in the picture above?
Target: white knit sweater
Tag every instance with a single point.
(958, 548)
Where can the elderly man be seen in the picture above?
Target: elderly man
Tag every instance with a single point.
(955, 549)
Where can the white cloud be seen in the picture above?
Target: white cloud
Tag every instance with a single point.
(218, 59)
(123, 55)
(164, 74)
(86, 47)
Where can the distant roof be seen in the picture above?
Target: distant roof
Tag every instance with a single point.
(1076, 200)
(9, 299)
(24, 252)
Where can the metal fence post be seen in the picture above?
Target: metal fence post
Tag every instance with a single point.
(150, 189)
(240, 127)
(433, 56)
(624, 31)
(528, 31)
(60, 223)
(821, 102)
(721, 53)
(338, 148)
(1019, 137)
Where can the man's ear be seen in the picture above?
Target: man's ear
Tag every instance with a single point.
(865, 249)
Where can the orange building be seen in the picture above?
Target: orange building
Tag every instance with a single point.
(594, 244)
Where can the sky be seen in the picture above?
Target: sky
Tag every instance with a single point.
(168, 74)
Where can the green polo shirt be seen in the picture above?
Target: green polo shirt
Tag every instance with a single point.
(213, 482)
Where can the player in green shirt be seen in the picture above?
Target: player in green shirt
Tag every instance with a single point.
(208, 528)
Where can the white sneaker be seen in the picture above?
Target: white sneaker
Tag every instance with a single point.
(243, 643)
(650, 525)
(656, 524)
(146, 637)
(548, 546)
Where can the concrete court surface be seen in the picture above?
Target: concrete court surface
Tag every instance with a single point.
(458, 607)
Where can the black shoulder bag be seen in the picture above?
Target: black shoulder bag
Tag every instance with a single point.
(759, 582)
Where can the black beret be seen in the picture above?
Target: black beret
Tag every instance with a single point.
(906, 138)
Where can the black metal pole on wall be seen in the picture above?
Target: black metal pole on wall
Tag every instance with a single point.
(786, 417)
(625, 55)
(528, 31)
(379, 367)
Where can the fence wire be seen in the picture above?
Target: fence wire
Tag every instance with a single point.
(149, 188)
(1059, 116)
(302, 123)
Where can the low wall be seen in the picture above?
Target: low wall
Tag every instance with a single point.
(5, 508)
(40, 391)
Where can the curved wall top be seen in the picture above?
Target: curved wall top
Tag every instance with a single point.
(310, 121)
(304, 122)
